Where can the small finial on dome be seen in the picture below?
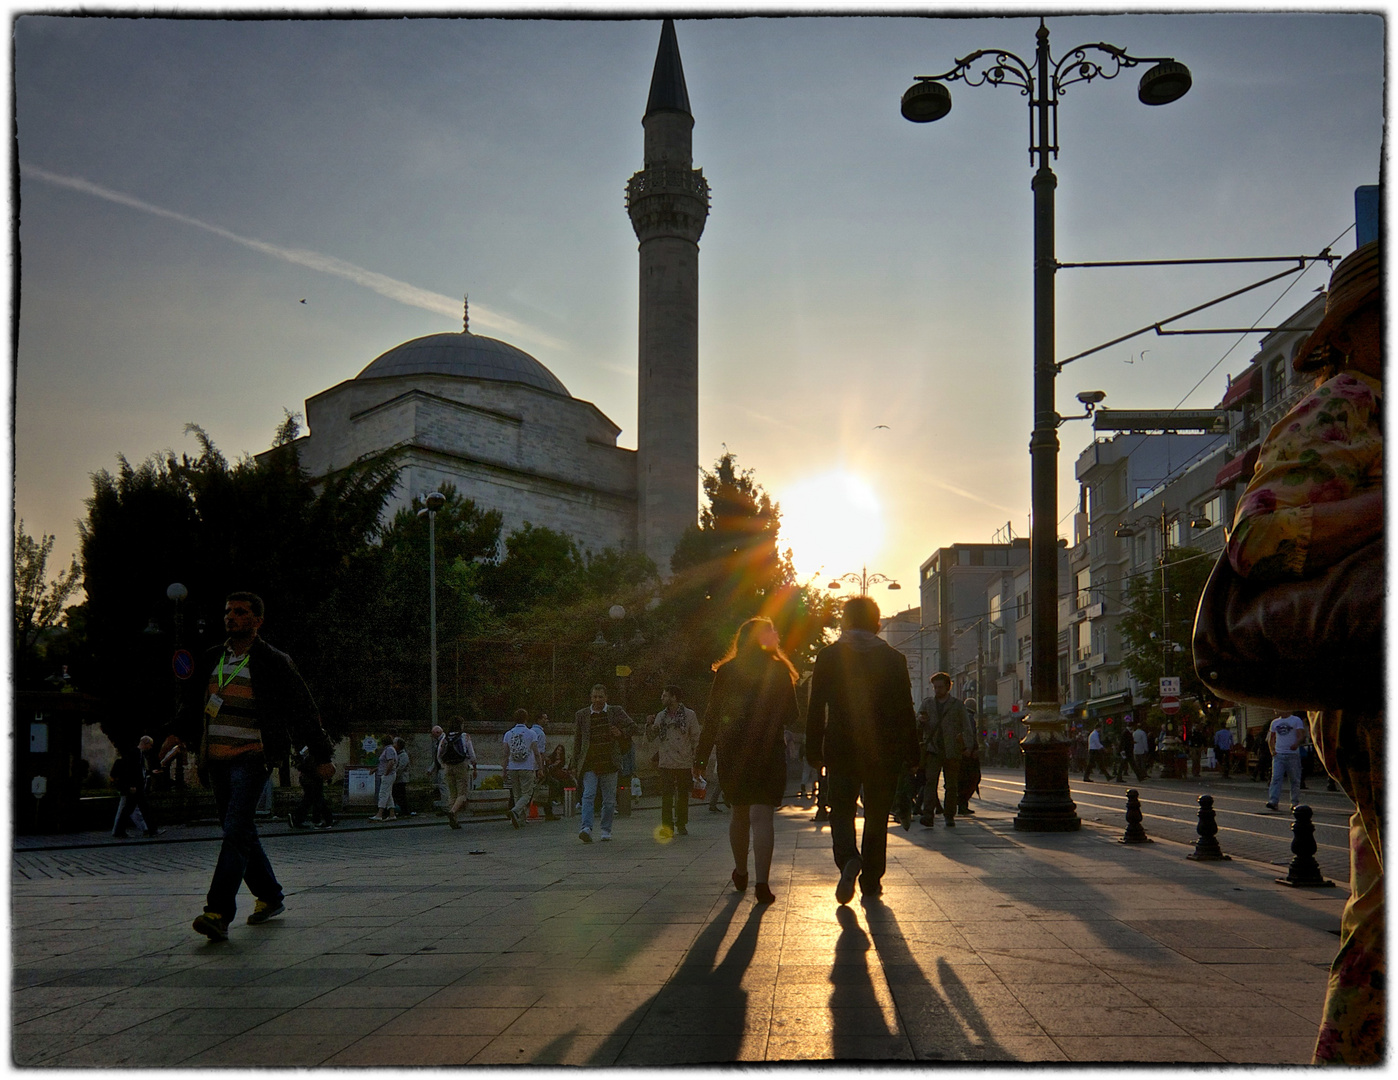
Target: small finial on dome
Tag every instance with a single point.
(466, 314)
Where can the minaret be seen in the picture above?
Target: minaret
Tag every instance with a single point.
(668, 201)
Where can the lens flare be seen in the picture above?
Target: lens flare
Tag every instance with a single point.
(833, 523)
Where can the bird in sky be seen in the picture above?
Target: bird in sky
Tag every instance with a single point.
(884, 426)
(303, 301)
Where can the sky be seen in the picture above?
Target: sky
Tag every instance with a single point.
(865, 305)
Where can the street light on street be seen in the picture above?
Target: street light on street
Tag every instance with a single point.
(1048, 804)
(435, 501)
(863, 579)
(1127, 529)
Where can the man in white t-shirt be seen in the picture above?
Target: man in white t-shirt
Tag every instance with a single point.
(1141, 743)
(1284, 739)
(1094, 754)
(524, 760)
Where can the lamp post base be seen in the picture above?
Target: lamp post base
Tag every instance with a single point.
(1048, 804)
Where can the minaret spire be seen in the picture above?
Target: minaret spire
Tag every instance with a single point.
(668, 201)
(466, 314)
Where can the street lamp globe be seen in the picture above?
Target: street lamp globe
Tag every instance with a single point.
(1168, 81)
(616, 611)
(435, 501)
(176, 592)
(924, 102)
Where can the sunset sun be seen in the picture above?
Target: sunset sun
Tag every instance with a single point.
(833, 524)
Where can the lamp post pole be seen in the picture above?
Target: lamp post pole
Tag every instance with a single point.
(435, 501)
(1048, 804)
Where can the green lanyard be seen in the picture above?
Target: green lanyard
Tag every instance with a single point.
(218, 675)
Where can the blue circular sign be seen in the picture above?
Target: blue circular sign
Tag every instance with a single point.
(182, 663)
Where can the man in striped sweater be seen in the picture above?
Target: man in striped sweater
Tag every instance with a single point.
(244, 706)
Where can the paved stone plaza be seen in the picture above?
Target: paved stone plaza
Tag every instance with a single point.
(417, 945)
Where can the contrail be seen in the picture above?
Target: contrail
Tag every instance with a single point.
(392, 288)
(969, 495)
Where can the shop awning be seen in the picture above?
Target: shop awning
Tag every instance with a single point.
(1239, 468)
(1241, 387)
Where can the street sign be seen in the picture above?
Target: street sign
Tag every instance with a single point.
(1170, 705)
(1170, 686)
(182, 663)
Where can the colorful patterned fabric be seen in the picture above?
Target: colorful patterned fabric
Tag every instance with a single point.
(1328, 448)
(1353, 1028)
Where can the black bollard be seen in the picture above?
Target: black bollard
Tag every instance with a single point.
(1135, 831)
(1206, 848)
(1304, 870)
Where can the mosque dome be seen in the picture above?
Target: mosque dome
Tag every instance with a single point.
(467, 356)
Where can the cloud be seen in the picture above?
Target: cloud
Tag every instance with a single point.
(392, 288)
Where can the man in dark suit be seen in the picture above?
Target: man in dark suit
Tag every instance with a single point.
(861, 727)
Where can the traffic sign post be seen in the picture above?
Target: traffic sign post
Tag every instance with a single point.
(182, 663)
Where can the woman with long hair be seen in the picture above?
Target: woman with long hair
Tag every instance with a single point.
(751, 704)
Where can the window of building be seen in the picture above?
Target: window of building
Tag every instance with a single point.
(1174, 533)
(1084, 583)
(1213, 510)
(1084, 643)
(1142, 550)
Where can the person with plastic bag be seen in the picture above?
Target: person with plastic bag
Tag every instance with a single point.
(1316, 500)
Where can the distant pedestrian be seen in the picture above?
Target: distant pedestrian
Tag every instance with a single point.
(247, 705)
(542, 790)
(131, 773)
(401, 777)
(456, 760)
(1140, 751)
(1125, 751)
(968, 783)
(676, 729)
(558, 778)
(525, 749)
(1262, 769)
(387, 766)
(1223, 747)
(312, 806)
(1094, 754)
(751, 703)
(1197, 741)
(862, 728)
(597, 757)
(1284, 739)
(992, 749)
(946, 734)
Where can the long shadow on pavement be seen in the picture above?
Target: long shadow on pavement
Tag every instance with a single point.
(702, 984)
(1030, 888)
(929, 1018)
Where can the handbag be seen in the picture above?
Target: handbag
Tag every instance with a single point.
(1315, 643)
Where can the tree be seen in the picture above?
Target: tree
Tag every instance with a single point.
(39, 601)
(261, 524)
(729, 568)
(1187, 570)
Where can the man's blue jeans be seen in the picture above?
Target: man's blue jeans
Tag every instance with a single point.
(237, 788)
(589, 794)
(1285, 765)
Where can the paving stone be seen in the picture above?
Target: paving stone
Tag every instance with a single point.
(1039, 949)
(1180, 1050)
(420, 1050)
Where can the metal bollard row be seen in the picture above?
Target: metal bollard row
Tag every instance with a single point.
(1206, 848)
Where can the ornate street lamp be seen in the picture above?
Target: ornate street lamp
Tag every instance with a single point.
(1048, 804)
(863, 579)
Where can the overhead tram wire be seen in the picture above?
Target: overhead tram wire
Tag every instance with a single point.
(1227, 353)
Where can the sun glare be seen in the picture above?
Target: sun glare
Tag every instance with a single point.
(832, 523)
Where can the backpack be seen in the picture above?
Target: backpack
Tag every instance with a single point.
(453, 749)
(520, 748)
